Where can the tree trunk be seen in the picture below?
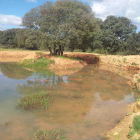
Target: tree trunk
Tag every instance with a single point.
(59, 50)
(50, 50)
(54, 49)
(62, 49)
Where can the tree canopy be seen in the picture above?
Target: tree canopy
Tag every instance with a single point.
(114, 33)
(67, 23)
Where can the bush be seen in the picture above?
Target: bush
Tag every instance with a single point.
(101, 51)
(136, 124)
(131, 133)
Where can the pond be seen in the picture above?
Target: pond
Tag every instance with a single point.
(91, 102)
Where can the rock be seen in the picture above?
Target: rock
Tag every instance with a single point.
(115, 134)
(130, 126)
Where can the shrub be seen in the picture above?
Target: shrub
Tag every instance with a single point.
(131, 133)
(136, 124)
(101, 51)
(134, 63)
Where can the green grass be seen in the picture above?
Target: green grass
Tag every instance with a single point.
(138, 90)
(49, 135)
(34, 102)
(131, 133)
(136, 124)
(77, 59)
(138, 98)
(138, 79)
(40, 53)
(39, 63)
(134, 63)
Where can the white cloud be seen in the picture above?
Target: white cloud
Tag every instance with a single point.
(126, 8)
(10, 20)
(32, 0)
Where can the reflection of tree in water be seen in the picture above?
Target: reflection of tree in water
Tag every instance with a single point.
(39, 84)
(14, 71)
(109, 85)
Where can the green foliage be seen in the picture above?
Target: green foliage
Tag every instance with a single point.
(138, 98)
(29, 39)
(40, 53)
(7, 38)
(67, 24)
(138, 90)
(129, 113)
(101, 51)
(38, 101)
(114, 34)
(131, 133)
(138, 79)
(77, 59)
(49, 135)
(39, 63)
(136, 124)
(134, 63)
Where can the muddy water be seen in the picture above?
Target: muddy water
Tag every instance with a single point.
(94, 101)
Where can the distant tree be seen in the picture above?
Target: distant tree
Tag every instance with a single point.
(7, 38)
(30, 39)
(133, 43)
(114, 34)
(67, 23)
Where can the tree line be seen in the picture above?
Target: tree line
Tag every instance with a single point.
(71, 25)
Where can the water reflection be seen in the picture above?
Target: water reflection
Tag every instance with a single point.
(14, 71)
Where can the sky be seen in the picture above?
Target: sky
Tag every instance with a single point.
(12, 11)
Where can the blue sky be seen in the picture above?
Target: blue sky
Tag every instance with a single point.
(11, 11)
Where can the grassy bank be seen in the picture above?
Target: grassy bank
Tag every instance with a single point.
(37, 63)
(77, 59)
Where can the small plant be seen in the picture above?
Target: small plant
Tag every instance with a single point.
(49, 135)
(40, 53)
(136, 124)
(124, 60)
(80, 76)
(138, 98)
(34, 101)
(134, 63)
(129, 113)
(138, 90)
(131, 133)
(76, 95)
(138, 79)
(62, 57)
(133, 87)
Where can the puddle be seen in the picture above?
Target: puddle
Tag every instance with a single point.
(92, 102)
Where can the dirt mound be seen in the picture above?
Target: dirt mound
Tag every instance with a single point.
(88, 58)
(64, 63)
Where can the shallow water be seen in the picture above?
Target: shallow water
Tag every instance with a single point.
(95, 101)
